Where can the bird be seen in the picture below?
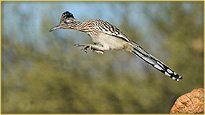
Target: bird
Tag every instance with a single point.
(106, 36)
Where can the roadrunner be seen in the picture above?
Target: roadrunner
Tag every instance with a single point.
(108, 37)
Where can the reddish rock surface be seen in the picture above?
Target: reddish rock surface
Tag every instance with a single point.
(191, 103)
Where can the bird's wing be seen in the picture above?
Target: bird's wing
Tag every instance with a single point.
(107, 28)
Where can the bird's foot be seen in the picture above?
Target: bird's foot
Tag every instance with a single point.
(85, 47)
(91, 47)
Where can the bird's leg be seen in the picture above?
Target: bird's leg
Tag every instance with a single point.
(97, 48)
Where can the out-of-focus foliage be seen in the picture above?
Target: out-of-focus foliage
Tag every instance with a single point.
(43, 72)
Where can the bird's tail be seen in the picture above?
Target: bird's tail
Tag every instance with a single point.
(147, 57)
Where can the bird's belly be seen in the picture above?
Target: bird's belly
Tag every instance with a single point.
(109, 42)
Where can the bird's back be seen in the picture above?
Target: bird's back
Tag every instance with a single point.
(105, 27)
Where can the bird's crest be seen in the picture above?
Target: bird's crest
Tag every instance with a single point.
(66, 16)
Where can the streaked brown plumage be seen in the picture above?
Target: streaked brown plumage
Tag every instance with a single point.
(108, 37)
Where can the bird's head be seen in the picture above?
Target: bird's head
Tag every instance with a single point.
(67, 21)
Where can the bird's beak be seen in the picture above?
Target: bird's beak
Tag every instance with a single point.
(54, 28)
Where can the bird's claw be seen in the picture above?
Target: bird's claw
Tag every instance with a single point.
(85, 50)
(85, 47)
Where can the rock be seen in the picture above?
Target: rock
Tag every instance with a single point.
(191, 103)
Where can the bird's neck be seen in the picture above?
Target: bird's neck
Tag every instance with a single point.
(81, 26)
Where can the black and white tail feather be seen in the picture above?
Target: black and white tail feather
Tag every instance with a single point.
(139, 51)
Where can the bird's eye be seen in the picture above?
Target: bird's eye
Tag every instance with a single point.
(66, 21)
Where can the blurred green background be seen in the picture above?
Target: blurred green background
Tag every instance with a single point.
(43, 72)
